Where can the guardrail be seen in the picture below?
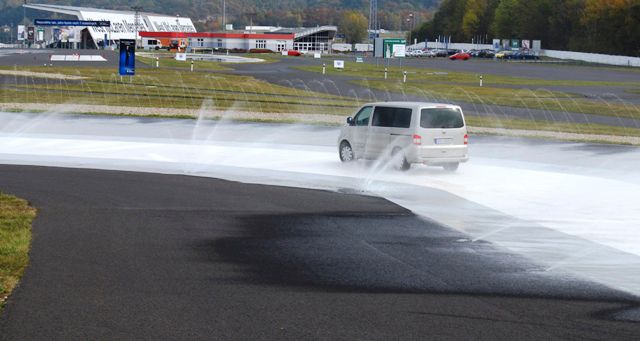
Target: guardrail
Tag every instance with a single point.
(593, 58)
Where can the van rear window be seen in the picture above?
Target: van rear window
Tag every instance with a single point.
(392, 117)
(441, 118)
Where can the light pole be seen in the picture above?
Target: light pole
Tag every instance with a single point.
(224, 15)
(411, 22)
(136, 19)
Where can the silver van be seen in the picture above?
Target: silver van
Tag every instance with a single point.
(408, 132)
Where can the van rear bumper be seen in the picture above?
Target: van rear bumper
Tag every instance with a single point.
(442, 161)
(437, 155)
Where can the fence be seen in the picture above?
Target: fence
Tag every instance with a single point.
(593, 58)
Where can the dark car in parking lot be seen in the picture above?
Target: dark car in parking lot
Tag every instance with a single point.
(524, 55)
(482, 53)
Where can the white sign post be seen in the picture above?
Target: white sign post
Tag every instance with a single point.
(338, 64)
(181, 57)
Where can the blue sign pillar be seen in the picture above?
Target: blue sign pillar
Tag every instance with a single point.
(127, 57)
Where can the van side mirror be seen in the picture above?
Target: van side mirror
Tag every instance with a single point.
(350, 121)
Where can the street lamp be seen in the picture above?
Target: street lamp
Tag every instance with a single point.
(411, 20)
(224, 15)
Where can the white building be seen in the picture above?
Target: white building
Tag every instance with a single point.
(266, 38)
(123, 24)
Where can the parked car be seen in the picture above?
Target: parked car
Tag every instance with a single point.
(430, 53)
(482, 53)
(441, 52)
(524, 55)
(504, 54)
(406, 133)
(460, 56)
(415, 53)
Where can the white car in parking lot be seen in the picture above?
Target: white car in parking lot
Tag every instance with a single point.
(407, 133)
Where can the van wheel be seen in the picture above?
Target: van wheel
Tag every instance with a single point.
(451, 167)
(399, 160)
(346, 152)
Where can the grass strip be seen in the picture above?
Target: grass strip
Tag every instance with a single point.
(520, 98)
(559, 127)
(15, 239)
(372, 71)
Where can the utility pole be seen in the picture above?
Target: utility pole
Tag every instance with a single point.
(373, 20)
(136, 19)
(224, 15)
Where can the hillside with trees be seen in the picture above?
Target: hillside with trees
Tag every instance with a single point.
(207, 15)
(599, 26)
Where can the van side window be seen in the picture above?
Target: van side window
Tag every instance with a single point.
(392, 117)
(441, 118)
(362, 117)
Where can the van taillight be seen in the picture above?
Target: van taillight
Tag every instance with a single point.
(466, 139)
(417, 139)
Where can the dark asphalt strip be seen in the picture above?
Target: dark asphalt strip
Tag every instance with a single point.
(120, 255)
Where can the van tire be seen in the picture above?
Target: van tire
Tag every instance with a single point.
(399, 160)
(346, 152)
(451, 167)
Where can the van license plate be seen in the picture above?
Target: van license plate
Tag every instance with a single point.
(443, 141)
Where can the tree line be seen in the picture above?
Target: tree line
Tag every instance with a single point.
(597, 26)
(207, 14)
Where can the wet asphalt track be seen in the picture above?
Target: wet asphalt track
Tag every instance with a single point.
(120, 255)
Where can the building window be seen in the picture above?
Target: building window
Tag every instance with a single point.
(200, 42)
(219, 42)
(261, 44)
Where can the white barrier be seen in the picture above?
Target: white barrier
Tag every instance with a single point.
(341, 47)
(593, 58)
(76, 58)
(459, 46)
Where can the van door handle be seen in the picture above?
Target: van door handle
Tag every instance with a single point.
(392, 134)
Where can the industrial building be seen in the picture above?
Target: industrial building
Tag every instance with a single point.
(252, 38)
(158, 31)
(124, 25)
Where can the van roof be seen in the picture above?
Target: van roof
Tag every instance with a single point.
(412, 104)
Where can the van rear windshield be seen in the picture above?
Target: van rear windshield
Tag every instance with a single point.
(392, 117)
(441, 118)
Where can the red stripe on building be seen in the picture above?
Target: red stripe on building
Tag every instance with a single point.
(215, 35)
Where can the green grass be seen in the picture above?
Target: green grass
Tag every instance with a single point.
(166, 88)
(522, 98)
(371, 71)
(560, 127)
(15, 238)
(497, 90)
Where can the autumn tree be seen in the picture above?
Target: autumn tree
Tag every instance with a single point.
(353, 25)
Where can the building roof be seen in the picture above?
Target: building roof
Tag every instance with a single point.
(75, 10)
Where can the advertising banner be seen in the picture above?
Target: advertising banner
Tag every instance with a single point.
(40, 35)
(31, 33)
(537, 45)
(399, 50)
(515, 44)
(55, 22)
(338, 64)
(56, 34)
(496, 44)
(127, 57)
(506, 44)
(20, 32)
(526, 44)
